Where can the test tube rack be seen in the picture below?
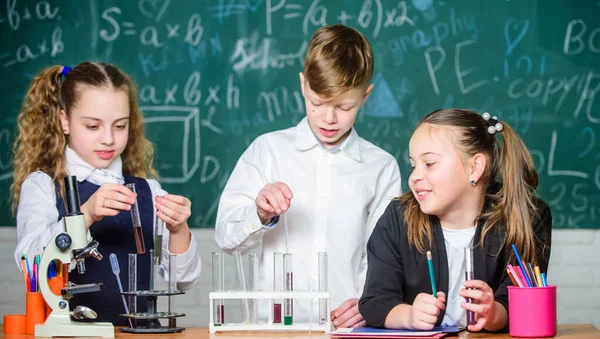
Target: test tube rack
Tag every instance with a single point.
(269, 326)
(152, 315)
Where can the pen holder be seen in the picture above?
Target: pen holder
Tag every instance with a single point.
(14, 324)
(55, 284)
(532, 311)
(35, 311)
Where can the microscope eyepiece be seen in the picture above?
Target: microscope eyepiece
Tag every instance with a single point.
(72, 196)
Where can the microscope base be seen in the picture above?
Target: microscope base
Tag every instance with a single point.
(61, 326)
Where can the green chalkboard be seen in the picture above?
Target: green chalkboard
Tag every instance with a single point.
(214, 74)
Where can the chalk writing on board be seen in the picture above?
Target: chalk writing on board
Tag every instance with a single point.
(51, 46)
(149, 35)
(42, 10)
(185, 129)
(220, 73)
(383, 103)
(255, 53)
(575, 39)
(460, 70)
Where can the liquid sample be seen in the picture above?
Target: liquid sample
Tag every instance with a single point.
(158, 246)
(470, 314)
(288, 303)
(219, 314)
(139, 240)
(277, 313)
(137, 223)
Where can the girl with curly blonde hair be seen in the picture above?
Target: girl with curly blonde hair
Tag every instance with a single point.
(86, 122)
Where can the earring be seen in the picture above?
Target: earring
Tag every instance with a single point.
(472, 182)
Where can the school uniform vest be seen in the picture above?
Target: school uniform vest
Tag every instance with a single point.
(114, 235)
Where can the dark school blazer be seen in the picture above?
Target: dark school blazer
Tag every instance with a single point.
(396, 273)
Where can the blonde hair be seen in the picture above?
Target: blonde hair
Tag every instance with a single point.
(511, 207)
(339, 58)
(40, 143)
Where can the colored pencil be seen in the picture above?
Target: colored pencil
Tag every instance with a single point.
(431, 274)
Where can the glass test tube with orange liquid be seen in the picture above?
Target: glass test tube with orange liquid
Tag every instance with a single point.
(137, 224)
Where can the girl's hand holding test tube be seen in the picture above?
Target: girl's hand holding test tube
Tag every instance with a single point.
(175, 210)
(272, 200)
(108, 200)
(483, 304)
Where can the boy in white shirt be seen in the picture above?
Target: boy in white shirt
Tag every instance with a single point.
(329, 184)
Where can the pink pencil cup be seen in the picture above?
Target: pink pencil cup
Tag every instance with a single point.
(532, 311)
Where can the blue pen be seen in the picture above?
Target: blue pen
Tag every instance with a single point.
(522, 266)
(544, 282)
(27, 264)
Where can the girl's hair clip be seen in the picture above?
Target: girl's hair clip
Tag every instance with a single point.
(65, 70)
(494, 124)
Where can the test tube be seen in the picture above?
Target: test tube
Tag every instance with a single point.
(218, 276)
(288, 303)
(172, 287)
(469, 275)
(159, 225)
(152, 271)
(151, 302)
(137, 224)
(277, 285)
(323, 286)
(253, 276)
(132, 282)
(241, 282)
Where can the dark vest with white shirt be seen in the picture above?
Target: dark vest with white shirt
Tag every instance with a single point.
(114, 235)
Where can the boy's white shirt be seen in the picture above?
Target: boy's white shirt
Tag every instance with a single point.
(337, 199)
(37, 215)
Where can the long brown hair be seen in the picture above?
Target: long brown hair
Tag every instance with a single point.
(511, 206)
(40, 143)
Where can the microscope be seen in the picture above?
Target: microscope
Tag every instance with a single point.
(65, 246)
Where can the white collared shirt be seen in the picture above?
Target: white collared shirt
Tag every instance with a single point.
(37, 214)
(337, 199)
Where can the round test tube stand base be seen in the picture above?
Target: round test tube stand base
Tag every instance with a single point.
(153, 315)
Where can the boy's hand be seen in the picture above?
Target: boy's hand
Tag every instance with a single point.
(174, 210)
(272, 200)
(347, 315)
(483, 302)
(108, 200)
(425, 310)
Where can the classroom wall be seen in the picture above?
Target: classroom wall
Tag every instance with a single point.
(574, 267)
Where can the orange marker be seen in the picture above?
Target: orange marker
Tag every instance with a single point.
(25, 276)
